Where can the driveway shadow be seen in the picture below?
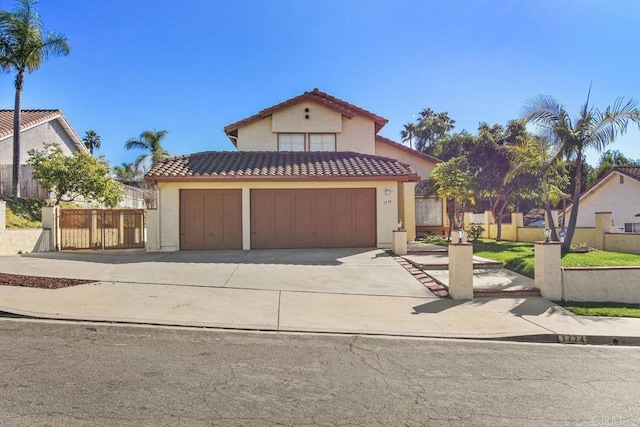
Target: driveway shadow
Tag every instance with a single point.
(328, 257)
(435, 307)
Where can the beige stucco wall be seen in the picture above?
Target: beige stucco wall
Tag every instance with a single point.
(35, 138)
(622, 200)
(169, 207)
(358, 135)
(617, 242)
(24, 240)
(422, 166)
(321, 119)
(598, 284)
(257, 136)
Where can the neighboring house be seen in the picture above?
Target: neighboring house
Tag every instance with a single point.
(309, 172)
(38, 127)
(617, 192)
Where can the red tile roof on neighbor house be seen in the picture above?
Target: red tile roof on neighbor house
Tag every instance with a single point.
(31, 118)
(406, 149)
(249, 165)
(343, 107)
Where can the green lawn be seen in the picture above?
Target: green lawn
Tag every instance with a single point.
(609, 309)
(23, 213)
(519, 257)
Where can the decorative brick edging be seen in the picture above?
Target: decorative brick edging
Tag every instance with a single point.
(428, 281)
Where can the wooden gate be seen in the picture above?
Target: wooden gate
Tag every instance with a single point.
(102, 229)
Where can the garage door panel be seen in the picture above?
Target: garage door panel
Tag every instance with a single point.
(310, 218)
(210, 219)
(304, 219)
(325, 219)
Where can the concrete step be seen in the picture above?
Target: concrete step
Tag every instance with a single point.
(506, 293)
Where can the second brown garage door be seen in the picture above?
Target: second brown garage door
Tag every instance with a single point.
(210, 219)
(314, 218)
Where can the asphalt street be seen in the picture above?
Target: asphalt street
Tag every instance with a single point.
(68, 374)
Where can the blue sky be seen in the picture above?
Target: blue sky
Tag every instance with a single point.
(193, 67)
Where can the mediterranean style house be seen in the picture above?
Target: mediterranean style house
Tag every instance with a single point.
(37, 128)
(617, 192)
(310, 172)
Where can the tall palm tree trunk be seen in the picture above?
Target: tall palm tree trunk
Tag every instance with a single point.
(17, 113)
(573, 218)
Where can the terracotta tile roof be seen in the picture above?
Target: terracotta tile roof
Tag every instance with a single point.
(29, 118)
(32, 118)
(632, 171)
(315, 95)
(274, 164)
(407, 149)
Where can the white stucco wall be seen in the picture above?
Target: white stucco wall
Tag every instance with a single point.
(168, 223)
(356, 134)
(35, 138)
(622, 200)
(600, 284)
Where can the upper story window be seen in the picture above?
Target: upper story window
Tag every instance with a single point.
(291, 142)
(322, 142)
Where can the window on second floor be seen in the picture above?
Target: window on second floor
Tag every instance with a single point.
(322, 142)
(291, 142)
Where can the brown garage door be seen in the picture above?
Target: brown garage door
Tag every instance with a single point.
(318, 218)
(210, 219)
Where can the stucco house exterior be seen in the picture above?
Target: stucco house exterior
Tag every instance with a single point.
(38, 127)
(308, 172)
(617, 192)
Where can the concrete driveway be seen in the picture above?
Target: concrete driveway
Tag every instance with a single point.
(341, 271)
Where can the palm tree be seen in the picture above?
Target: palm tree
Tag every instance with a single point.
(592, 128)
(408, 133)
(149, 141)
(92, 140)
(127, 172)
(540, 158)
(23, 49)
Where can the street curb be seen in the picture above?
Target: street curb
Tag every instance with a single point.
(550, 338)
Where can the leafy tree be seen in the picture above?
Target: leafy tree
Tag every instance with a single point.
(408, 133)
(92, 140)
(490, 161)
(609, 160)
(23, 48)
(592, 128)
(150, 141)
(454, 145)
(69, 177)
(454, 182)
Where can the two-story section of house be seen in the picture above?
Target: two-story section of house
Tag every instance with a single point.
(310, 172)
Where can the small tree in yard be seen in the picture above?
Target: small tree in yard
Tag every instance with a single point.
(69, 177)
(455, 183)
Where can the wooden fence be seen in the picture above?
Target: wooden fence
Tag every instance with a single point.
(29, 187)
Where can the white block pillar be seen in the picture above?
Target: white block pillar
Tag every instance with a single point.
(461, 270)
(400, 242)
(548, 272)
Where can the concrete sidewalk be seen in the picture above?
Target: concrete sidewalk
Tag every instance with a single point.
(522, 319)
(355, 291)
